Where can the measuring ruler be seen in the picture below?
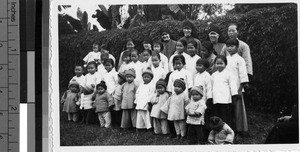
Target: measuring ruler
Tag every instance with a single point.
(9, 76)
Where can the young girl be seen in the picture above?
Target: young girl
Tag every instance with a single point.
(203, 78)
(101, 69)
(79, 77)
(207, 53)
(125, 63)
(180, 72)
(70, 101)
(92, 78)
(237, 65)
(129, 47)
(174, 108)
(195, 111)
(157, 47)
(160, 122)
(146, 56)
(102, 101)
(158, 71)
(136, 65)
(143, 95)
(220, 133)
(223, 88)
(180, 48)
(104, 49)
(111, 76)
(191, 62)
(116, 113)
(93, 55)
(128, 96)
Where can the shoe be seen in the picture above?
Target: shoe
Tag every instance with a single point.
(178, 137)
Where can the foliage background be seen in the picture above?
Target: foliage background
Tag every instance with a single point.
(271, 34)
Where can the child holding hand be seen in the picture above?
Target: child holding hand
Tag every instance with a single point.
(102, 102)
(195, 116)
(70, 101)
(160, 122)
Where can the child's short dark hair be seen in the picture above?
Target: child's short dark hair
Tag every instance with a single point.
(110, 61)
(183, 42)
(232, 41)
(160, 44)
(103, 46)
(222, 57)
(92, 63)
(102, 84)
(156, 54)
(126, 54)
(192, 41)
(79, 65)
(104, 56)
(179, 57)
(149, 51)
(204, 62)
(208, 45)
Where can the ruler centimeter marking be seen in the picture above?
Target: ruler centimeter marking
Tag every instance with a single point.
(9, 76)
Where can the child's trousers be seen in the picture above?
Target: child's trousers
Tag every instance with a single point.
(180, 127)
(195, 134)
(116, 117)
(160, 126)
(104, 119)
(86, 115)
(73, 116)
(128, 115)
(143, 119)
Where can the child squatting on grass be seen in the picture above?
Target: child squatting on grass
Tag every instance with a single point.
(70, 101)
(103, 102)
(174, 107)
(220, 132)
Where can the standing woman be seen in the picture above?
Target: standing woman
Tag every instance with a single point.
(190, 32)
(216, 38)
(168, 43)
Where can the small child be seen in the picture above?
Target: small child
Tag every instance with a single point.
(191, 63)
(103, 101)
(180, 50)
(180, 72)
(128, 96)
(157, 48)
(93, 55)
(174, 108)
(237, 66)
(224, 90)
(220, 132)
(116, 113)
(111, 76)
(136, 65)
(86, 104)
(207, 53)
(195, 111)
(79, 77)
(142, 98)
(147, 44)
(160, 122)
(103, 49)
(158, 71)
(92, 78)
(70, 101)
(126, 60)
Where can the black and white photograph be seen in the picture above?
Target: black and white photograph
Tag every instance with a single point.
(165, 76)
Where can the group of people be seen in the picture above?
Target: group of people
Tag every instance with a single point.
(184, 89)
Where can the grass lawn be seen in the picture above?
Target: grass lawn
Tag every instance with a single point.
(76, 134)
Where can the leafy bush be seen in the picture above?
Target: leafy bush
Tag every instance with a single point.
(271, 34)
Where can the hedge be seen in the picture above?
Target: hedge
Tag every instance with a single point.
(271, 34)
